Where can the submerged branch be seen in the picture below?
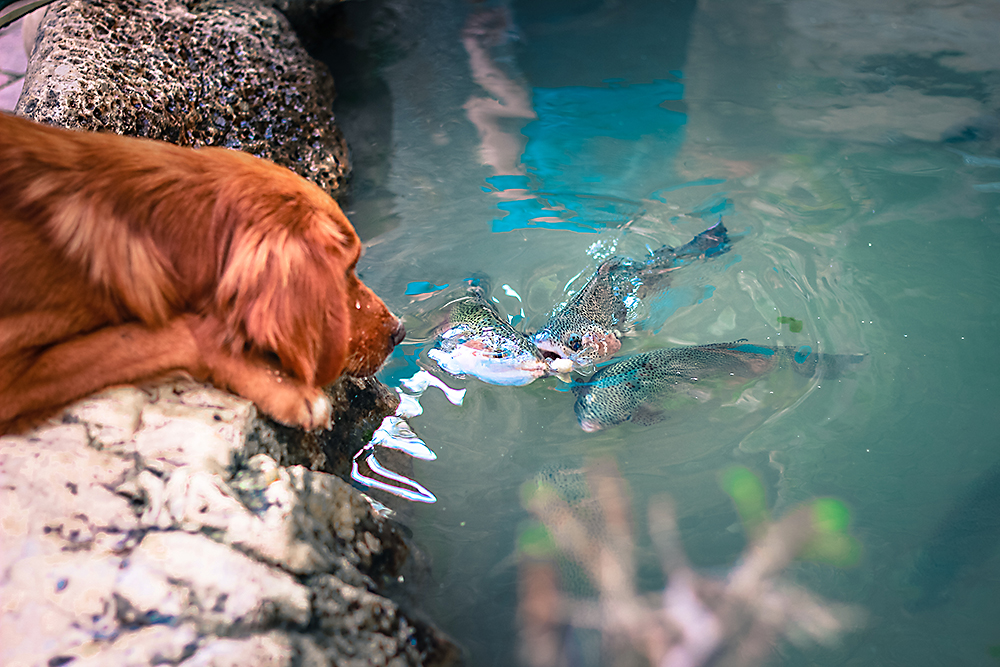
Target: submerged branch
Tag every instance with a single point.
(696, 620)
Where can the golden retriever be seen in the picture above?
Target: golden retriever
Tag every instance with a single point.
(123, 259)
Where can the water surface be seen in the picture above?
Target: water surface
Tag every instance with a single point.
(852, 150)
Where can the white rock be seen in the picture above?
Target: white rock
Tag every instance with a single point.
(271, 650)
(152, 645)
(227, 587)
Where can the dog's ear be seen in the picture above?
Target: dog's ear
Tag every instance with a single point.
(128, 265)
(282, 290)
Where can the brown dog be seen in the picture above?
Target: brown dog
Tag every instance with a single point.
(122, 259)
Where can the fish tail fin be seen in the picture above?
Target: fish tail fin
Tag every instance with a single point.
(808, 363)
(713, 241)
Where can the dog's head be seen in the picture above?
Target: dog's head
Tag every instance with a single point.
(287, 284)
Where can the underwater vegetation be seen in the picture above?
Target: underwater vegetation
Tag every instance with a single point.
(794, 325)
(695, 620)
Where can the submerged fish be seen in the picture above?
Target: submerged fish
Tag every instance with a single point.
(588, 328)
(966, 538)
(628, 389)
(477, 341)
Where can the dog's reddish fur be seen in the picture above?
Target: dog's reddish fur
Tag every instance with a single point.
(122, 259)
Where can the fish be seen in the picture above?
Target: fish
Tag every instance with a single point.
(627, 390)
(588, 329)
(965, 539)
(477, 341)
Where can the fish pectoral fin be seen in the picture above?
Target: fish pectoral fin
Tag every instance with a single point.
(647, 414)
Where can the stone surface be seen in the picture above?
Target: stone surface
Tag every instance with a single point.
(360, 404)
(225, 73)
(135, 531)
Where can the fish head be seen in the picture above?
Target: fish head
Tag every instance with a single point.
(601, 404)
(583, 342)
(622, 391)
(595, 410)
(489, 365)
(481, 344)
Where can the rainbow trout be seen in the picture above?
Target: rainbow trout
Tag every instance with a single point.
(588, 329)
(628, 390)
(477, 341)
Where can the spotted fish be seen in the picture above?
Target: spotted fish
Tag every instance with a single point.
(628, 389)
(588, 328)
(477, 341)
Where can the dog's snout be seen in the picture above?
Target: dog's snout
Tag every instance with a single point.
(398, 333)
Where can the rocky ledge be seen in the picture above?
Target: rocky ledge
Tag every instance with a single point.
(137, 532)
(169, 523)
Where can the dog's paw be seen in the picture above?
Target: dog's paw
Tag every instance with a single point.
(295, 404)
(307, 408)
(320, 411)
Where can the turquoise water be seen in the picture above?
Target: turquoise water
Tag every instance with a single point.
(851, 152)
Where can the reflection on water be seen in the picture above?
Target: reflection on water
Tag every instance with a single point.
(852, 146)
(394, 433)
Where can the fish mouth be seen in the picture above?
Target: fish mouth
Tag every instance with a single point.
(590, 425)
(595, 348)
(560, 367)
(548, 353)
(551, 350)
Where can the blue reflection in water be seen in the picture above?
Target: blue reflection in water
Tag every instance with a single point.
(402, 363)
(802, 354)
(422, 287)
(717, 204)
(584, 172)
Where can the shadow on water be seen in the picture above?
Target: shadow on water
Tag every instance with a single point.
(853, 149)
(966, 538)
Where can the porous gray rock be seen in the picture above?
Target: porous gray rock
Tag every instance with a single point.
(219, 73)
(359, 406)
